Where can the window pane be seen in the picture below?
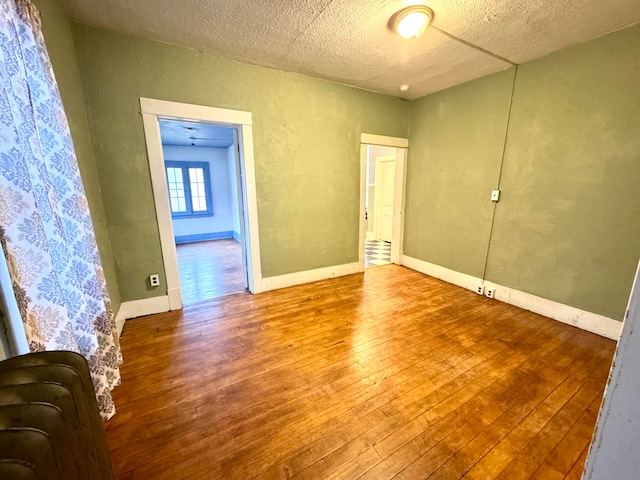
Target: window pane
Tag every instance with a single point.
(176, 189)
(199, 204)
(198, 195)
(195, 175)
(177, 178)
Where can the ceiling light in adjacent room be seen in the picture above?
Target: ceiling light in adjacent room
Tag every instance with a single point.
(404, 88)
(411, 22)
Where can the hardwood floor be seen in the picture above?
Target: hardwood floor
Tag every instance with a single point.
(210, 269)
(390, 374)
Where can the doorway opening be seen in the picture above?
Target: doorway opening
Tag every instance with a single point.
(383, 167)
(203, 177)
(201, 165)
(380, 175)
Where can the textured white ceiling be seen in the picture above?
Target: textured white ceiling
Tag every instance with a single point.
(194, 134)
(348, 40)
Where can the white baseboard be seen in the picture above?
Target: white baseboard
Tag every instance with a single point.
(450, 276)
(175, 298)
(120, 320)
(308, 276)
(591, 322)
(146, 306)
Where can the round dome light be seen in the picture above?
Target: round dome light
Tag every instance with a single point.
(411, 22)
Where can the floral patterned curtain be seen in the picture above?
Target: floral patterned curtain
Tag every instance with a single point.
(45, 225)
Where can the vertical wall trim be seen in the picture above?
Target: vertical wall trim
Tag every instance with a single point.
(155, 157)
(504, 150)
(16, 334)
(612, 453)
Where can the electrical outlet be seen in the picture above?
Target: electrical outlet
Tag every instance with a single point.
(490, 292)
(154, 280)
(480, 289)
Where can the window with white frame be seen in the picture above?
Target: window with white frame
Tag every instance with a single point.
(189, 189)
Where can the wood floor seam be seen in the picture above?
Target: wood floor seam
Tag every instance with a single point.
(386, 374)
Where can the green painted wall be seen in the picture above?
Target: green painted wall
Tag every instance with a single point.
(566, 227)
(56, 29)
(455, 150)
(306, 139)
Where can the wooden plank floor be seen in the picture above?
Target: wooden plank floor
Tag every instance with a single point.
(210, 269)
(390, 374)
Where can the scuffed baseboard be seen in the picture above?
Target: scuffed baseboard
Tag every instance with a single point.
(308, 276)
(591, 322)
(140, 308)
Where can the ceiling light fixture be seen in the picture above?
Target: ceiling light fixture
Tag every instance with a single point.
(412, 21)
(404, 88)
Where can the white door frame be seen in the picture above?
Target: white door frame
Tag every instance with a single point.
(14, 325)
(617, 422)
(399, 193)
(152, 110)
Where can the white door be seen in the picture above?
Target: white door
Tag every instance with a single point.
(386, 170)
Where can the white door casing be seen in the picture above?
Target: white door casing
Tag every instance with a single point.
(613, 450)
(242, 211)
(401, 144)
(400, 180)
(152, 110)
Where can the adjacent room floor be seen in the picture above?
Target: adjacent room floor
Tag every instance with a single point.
(387, 374)
(210, 269)
(376, 253)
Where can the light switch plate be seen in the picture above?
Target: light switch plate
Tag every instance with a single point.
(495, 195)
